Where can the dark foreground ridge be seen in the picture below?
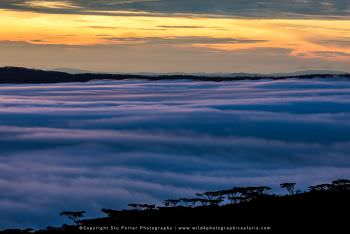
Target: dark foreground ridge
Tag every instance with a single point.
(324, 208)
(17, 75)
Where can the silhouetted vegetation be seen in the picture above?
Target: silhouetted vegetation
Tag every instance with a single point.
(289, 186)
(142, 206)
(75, 216)
(321, 209)
(17, 75)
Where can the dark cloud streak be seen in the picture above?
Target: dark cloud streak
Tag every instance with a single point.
(184, 40)
(227, 8)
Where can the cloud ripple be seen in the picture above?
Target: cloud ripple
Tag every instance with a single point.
(105, 144)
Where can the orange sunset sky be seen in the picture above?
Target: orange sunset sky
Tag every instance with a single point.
(176, 36)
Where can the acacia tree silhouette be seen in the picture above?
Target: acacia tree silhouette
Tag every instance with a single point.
(73, 215)
(212, 198)
(111, 213)
(341, 184)
(289, 186)
(233, 195)
(171, 202)
(320, 188)
(193, 202)
(262, 189)
(211, 205)
(142, 206)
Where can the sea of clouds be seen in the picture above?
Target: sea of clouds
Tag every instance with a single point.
(109, 143)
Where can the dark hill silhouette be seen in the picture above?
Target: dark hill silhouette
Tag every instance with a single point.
(322, 209)
(17, 75)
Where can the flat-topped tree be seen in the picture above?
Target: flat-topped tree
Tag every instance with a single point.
(213, 198)
(245, 193)
(262, 189)
(249, 193)
(171, 202)
(202, 201)
(233, 195)
(234, 199)
(111, 213)
(142, 206)
(320, 188)
(341, 184)
(186, 201)
(193, 202)
(289, 186)
(75, 216)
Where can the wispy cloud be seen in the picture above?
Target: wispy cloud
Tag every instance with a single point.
(48, 4)
(343, 42)
(184, 40)
(188, 27)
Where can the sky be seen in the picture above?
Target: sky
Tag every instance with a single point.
(94, 145)
(264, 36)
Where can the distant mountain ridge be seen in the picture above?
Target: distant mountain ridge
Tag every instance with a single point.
(19, 75)
(220, 74)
